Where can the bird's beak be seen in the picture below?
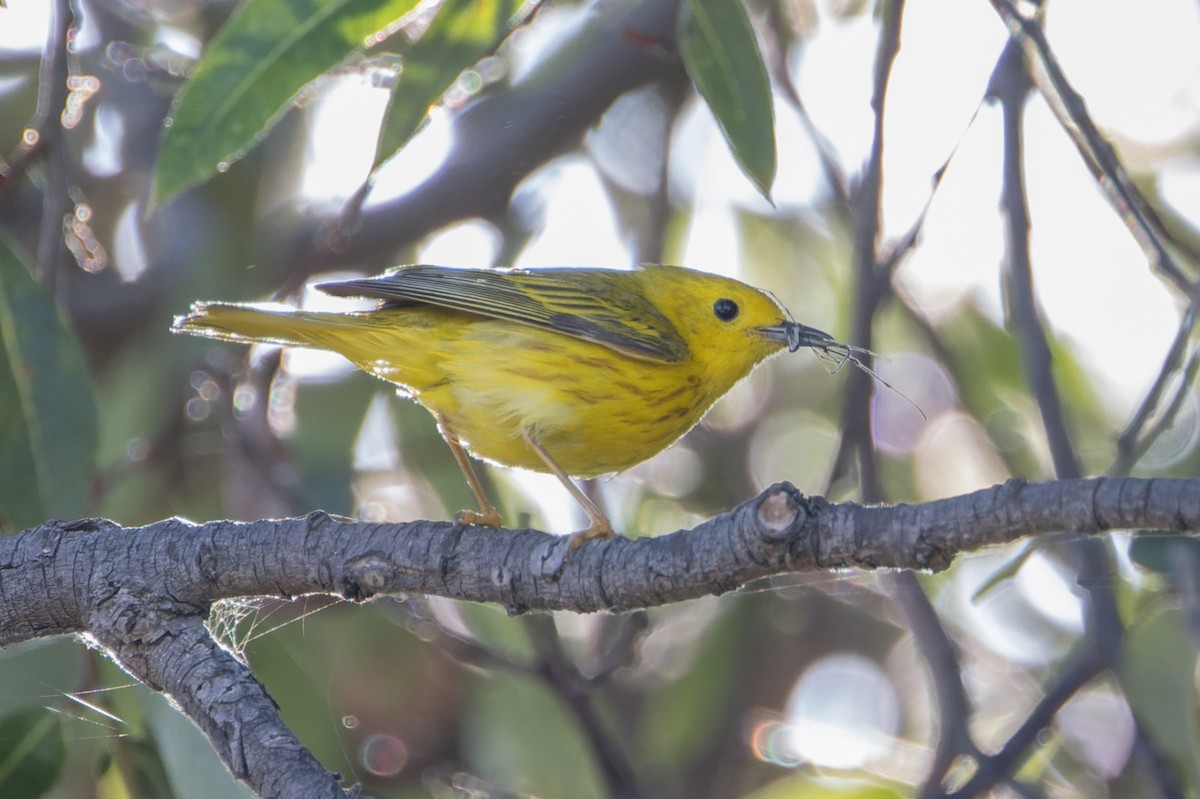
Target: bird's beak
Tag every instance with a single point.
(796, 335)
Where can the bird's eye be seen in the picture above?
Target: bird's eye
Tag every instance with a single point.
(726, 310)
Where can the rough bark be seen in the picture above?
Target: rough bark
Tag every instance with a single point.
(144, 593)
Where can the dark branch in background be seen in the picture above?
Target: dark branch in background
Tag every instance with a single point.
(999, 767)
(502, 138)
(51, 142)
(1097, 153)
(775, 51)
(1011, 85)
(939, 652)
(871, 281)
(144, 593)
(559, 673)
(576, 691)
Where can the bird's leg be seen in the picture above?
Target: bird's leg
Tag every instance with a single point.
(487, 515)
(600, 527)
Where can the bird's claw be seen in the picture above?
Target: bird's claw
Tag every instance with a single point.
(597, 530)
(474, 518)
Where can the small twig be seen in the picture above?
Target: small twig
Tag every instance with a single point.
(902, 246)
(1000, 766)
(935, 646)
(1134, 440)
(871, 275)
(576, 691)
(1010, 85)
(775, 52)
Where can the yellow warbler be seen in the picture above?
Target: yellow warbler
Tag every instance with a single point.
(578, 372)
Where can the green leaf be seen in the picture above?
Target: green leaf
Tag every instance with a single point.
(463, 32)
(31, 753)
(721, 54)
(1157, 674)
(48, 428)
(264, 55)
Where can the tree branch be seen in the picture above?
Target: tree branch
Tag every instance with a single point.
(144, 593)
(1097, 153)
(58, 577)
(166, 645)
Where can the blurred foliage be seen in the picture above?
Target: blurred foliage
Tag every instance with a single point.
(462, 33)
(47, 414)
(34, 752)
(263, 56)
(102, 412)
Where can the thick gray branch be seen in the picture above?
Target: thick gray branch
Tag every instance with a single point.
(166, 645)
(144, 593)
(60, 577)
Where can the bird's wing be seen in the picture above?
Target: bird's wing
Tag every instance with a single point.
(589, 304)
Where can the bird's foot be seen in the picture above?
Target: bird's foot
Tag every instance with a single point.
(600, 528)
(476, 518)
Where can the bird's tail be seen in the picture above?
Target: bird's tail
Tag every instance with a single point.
(271, 324)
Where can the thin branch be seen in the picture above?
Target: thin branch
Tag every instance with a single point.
(576, 691)
(562, 676)
(1010, 85)
(871, 278)
(935, 646)
(1000, 766)
(49, 138)
(1135, 440)
(1097, 152)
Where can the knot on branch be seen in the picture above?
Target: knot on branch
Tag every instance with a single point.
(780, 512)
(368, 574)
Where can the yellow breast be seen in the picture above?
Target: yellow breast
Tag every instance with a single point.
(594, 410)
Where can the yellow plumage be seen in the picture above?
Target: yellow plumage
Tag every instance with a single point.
(578, 372)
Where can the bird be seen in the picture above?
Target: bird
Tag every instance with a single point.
(574, 371)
